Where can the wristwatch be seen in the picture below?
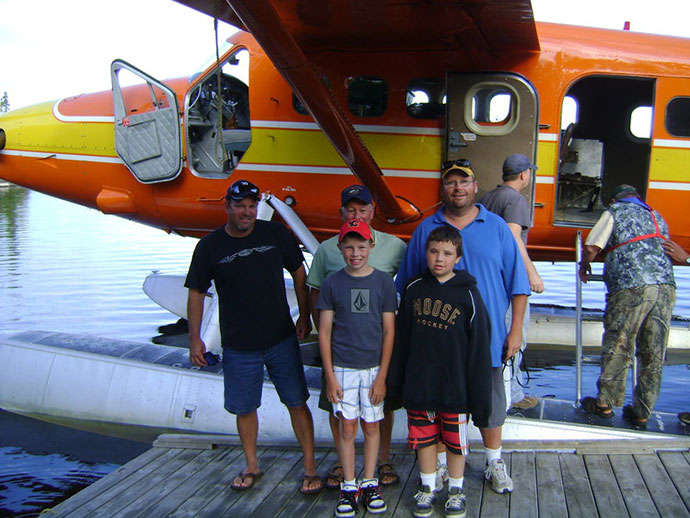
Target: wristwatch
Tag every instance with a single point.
(687, 260)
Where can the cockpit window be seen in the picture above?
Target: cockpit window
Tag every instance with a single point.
(426, 99)
(367, 96)
(217, 123)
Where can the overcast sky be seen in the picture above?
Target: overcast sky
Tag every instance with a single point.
(51, 49)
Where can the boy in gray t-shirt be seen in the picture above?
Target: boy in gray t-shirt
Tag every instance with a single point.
(356, 329)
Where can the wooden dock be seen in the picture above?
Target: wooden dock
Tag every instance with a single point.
(189, 476)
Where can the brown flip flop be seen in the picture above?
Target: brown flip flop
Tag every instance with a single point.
(311, 490)
(253, 477)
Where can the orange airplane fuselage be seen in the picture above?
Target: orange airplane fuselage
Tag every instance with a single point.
(412, 110)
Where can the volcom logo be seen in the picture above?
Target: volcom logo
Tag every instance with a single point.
(359, 300)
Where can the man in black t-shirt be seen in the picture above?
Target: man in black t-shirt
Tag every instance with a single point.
(245, 258)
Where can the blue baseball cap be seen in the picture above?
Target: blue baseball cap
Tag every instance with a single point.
(517, 163)
(355, 192)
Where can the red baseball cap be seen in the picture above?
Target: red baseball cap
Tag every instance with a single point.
(357, 226)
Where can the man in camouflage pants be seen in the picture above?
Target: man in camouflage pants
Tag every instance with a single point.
(640, 297)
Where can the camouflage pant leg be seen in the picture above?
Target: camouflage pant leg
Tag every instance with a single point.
(635, 317)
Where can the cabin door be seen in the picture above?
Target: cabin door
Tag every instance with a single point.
(491, 116)
(147, 124)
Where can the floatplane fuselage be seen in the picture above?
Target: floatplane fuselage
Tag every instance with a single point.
(164, 153)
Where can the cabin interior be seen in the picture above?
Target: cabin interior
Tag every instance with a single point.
(606, 142)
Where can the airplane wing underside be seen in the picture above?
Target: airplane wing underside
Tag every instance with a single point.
(292, 31)
(477, 26)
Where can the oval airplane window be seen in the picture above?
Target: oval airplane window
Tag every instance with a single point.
(641, 122)
(568, 112)
(491, 109)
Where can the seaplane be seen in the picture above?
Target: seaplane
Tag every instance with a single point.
(308, 98)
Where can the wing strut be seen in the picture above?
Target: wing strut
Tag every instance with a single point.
(260, 18)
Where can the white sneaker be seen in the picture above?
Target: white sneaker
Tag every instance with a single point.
(495, 472)
(441, 476)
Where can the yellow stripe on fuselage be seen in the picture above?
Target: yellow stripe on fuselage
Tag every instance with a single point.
(36, 129)
(669, 164)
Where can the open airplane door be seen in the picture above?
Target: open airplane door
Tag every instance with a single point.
(490, 116)
(147, 125)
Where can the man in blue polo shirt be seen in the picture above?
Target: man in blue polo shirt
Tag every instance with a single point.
(491, 255)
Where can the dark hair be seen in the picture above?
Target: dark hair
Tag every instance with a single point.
(446, 234)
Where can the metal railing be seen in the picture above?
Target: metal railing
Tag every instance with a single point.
(578, 322)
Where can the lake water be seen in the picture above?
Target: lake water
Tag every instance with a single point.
(71, 269)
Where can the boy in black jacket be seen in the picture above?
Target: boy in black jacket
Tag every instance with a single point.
(442, 366)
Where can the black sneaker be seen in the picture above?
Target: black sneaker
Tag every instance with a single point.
(347, 505)
(371, 498)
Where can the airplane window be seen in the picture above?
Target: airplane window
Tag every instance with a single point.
(678, 117)
(491, 106)
(641, 122)
(425, 98)
(568, 112)
(367, 96)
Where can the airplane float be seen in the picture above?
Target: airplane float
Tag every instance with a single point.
(312, 96)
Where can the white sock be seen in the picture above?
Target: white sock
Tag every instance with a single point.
(455, 482)
(369, 482)
(349, 485)
(441, 458)
(428, 479)
(492, 455)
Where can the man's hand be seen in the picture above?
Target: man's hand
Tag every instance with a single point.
(675, 251)
(513, 344)
(536, 284)
(303, 327)
(197, 348)
(584, 271)
(378, 390)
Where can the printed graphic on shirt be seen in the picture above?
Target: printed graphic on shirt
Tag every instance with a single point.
(359, 300)
(245, 253)
(434, 313)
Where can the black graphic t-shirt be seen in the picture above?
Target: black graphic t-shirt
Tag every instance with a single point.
(248, 273)
(358, 304)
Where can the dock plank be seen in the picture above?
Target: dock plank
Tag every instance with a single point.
(474, 483)
(607, 495)
(149, 483)
(550, 485)
(677, 465)
(207, 492)
(635, 494)
(494, 504)
(227, 497)
(208, 468)
(523, 500)
(73, 504)
(663, 491)
(578, 492)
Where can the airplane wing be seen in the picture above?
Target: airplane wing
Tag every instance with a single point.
(290, 31)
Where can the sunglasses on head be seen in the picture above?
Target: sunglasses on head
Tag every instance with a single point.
(460, 162)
